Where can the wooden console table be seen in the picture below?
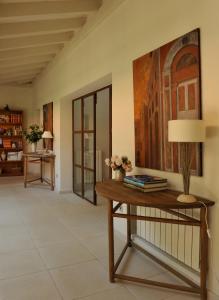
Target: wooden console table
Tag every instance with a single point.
(39, 158)
(164, 200)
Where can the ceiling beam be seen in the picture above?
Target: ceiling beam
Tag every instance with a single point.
(9, 76)
(41, 27)
(13, 69)
(30, 11)
(32, 51)
(38, 40)
(32, 32)
(26, 61)
(26, 1)
(19, 74)
(25, 78)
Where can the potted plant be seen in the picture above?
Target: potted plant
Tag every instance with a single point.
(119, 165)
(33, 135)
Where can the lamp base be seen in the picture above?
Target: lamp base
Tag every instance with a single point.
(186, 198)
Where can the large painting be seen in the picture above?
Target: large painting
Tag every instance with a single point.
(166, 87)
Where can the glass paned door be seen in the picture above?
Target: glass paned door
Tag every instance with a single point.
(77, 148)
(89, 139)
(92, 141)
(84, 145)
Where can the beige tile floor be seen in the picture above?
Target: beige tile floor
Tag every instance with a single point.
(54, 246)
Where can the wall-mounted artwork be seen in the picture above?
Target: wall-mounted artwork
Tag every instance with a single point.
(48, 122)
(166, 87)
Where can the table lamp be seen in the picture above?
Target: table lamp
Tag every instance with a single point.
(186, 132)
(47, 135)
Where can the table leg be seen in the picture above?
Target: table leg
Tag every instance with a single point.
(129, 240)
(203, 253)
(41, 169)
(111, 241)
(25, 172)
(52, 173)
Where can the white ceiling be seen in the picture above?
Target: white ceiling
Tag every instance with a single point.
(32, 32)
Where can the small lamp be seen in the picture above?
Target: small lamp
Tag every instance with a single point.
(186, 132)
(47, 135)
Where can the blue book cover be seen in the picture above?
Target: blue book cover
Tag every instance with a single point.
(145, 179)
(146, 185)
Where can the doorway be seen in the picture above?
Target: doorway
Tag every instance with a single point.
(92, 141)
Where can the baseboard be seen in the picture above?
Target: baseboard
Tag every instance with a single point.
(65, 191)
(212, 296)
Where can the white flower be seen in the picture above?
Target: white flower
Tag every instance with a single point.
(118, 161)
(114, 158)
(107, 162)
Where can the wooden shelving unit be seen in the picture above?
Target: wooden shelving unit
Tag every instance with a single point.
(11, 143)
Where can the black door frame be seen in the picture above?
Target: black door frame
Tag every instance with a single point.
(82, 131)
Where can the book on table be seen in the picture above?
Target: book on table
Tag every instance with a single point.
(146, 181)
(145, 185)
(145, 190)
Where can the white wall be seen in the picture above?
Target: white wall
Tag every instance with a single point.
(132, 30)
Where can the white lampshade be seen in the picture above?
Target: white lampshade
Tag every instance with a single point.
(187, 131)
(47, 135)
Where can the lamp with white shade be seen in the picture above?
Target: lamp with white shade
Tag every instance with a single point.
(186, 132)
(47, 135)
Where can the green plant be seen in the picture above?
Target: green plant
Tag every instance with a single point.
(33, 134)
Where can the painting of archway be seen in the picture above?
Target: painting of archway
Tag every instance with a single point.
(167, 87)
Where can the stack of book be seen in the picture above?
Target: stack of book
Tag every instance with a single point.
(146, 183)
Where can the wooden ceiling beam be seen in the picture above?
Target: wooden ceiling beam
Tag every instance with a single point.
(32, 51)
(17, 79)
(14, 69)
(32, 33)
(26, 61)
(38, 40)
(11, 30)
(31, 11)
(19, 74)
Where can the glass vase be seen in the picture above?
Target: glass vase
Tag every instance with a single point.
(119, 175)
(34, 147)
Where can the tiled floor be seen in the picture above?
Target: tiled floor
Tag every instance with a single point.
(54, 246)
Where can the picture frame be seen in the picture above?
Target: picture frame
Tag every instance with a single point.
(167, 86)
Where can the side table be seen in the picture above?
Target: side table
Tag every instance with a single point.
(41, 158)
(163, 200)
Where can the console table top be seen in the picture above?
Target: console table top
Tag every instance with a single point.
(117, 191)
(38, 154)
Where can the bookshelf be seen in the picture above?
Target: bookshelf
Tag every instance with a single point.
(11, 143)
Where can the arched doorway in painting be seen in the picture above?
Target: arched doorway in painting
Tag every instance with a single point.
(181, 94)
(185, 96)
